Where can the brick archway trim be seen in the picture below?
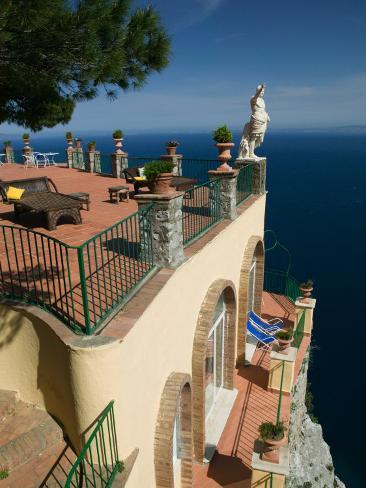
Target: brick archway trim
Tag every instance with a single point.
(255, 247)
(176, 395)
(205, 318)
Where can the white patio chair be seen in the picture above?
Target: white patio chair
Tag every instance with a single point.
(29, 161)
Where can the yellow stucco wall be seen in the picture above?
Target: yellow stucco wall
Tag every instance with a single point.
(76, 381)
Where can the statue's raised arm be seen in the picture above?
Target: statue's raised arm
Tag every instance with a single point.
(254, 130)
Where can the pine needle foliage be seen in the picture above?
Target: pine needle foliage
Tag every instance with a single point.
(55, 53)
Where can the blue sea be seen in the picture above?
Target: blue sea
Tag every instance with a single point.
(317, 207)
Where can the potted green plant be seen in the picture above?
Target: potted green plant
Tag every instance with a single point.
(91, 146)
(7, 144)
(69, 138)
(171, 147)
(224, 142)
(284, 338)
(306, 288)
(26, 138)
(118, 138)
(273, 437)
(159, 176)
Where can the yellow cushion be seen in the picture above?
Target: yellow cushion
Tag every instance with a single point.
(14, 193)
(140, 178)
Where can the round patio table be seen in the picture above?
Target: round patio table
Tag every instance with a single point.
(51, 157)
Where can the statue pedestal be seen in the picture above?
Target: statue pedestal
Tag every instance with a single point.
(259, 172)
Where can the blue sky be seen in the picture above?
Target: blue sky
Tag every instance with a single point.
(311, 55)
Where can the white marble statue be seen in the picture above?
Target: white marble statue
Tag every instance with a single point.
(254, 130)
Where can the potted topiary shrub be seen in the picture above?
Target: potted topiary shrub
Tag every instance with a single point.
(91, 146)
(26, 138)
(69, 138)
(273, 437)
(171, 147)
(306, 288)
(224, 142)
(159, 176)
(118, 138)
(284, 338)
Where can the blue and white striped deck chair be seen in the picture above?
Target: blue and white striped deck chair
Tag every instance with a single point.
(269, 327)
(264, 339)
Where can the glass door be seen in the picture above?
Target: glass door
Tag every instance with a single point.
(215, 362)
(251, 285)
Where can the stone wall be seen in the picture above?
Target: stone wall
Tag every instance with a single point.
(311, 464)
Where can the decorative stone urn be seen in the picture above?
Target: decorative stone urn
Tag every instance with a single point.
(306, 293)
(270, 451)
(284, 345)
(78, 143)
(224, 155)
(161, 184)
(118, 145)
(70, 142)
(171, 150)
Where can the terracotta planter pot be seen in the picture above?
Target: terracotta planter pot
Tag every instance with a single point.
(306, 293)
(284, 345)
(171, 150)
(91, 148)
(70, 142)
(161, 184)
(118, 144)
(224, 155)
(271, 448)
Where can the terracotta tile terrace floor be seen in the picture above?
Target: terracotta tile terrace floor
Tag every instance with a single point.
(102, 213)
(231, 464)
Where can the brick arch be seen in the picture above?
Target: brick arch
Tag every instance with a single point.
(176, 395)
(255, 247)
(200, 342)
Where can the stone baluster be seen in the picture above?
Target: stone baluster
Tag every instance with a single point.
(166, 227)
(227, 191)
(259, 172)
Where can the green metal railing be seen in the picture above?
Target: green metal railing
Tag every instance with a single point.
(78, 159)
(244, 184)
(98, 462)
(279, 405)
(281, 283)
(299, 332)
(201, 209)
(81, 285)
(198, 168)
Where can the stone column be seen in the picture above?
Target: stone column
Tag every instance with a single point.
(92, 158)
(259, 172)
(275, 371)
(9, 154)
(119, 163)
(166, 227)
(176, 159)
(307, 307)
(227, 191)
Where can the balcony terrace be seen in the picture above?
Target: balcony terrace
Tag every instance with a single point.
(83, 273)
(231, 465)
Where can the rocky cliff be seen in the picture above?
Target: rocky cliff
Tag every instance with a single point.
(311, 464)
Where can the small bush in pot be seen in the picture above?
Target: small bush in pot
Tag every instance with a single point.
(69, 135)
(222, 135)
(171, 147)
(306, 288)
(284, 338)
(26, 136)
(273, 437)
(7, 143)
(117, 134)
(91, 146)
(159, 175)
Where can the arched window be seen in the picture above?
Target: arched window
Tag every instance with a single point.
(173, 434)
(214, 364)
